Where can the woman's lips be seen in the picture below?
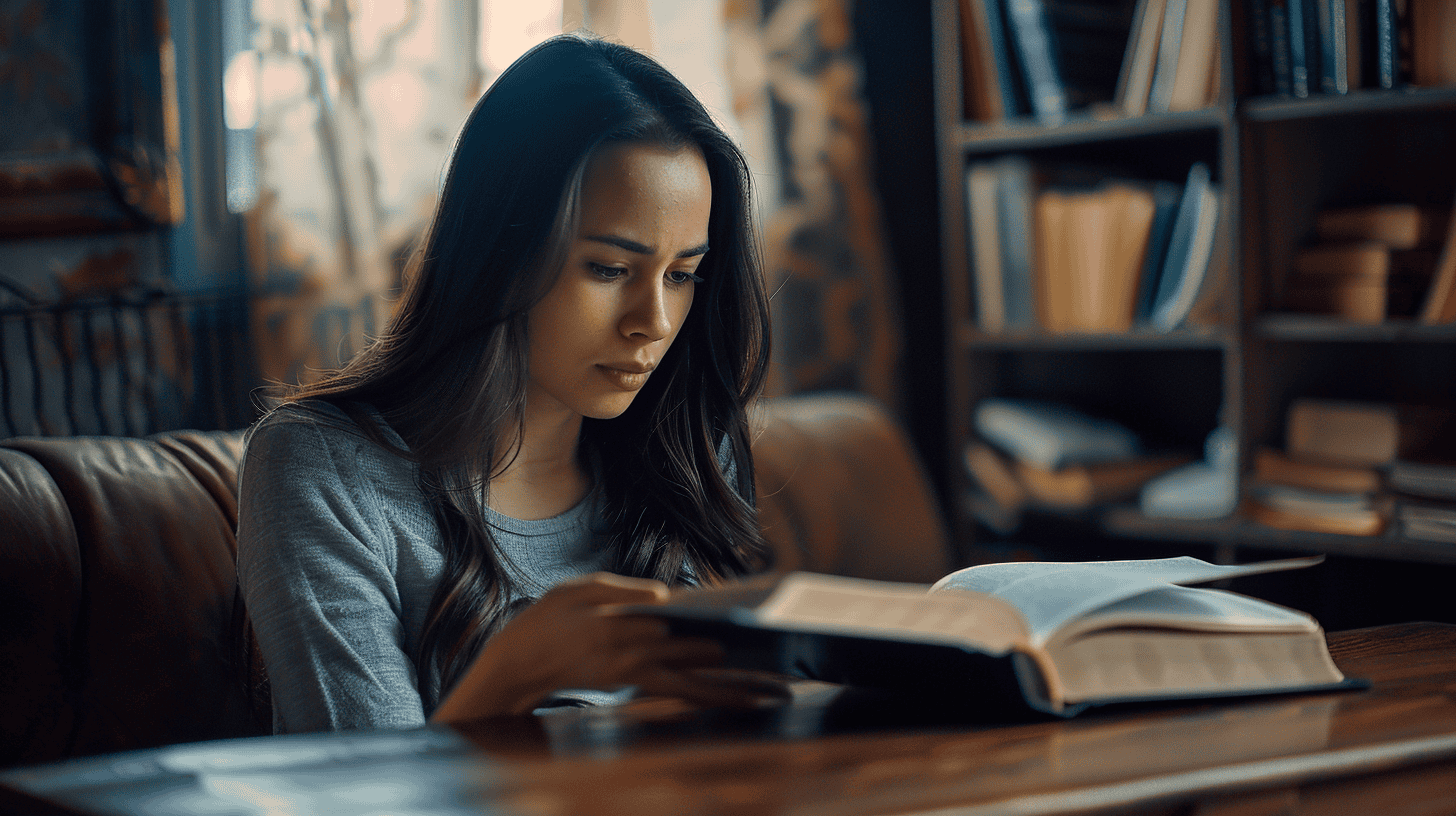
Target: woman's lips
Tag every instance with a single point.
(629, 378)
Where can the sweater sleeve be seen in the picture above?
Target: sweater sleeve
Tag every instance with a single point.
(317, 567)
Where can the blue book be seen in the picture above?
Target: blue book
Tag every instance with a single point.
(1008, 78)
(1189, 250)
(1169, 44)
(1165, 211)
(1305, 63)
(1387, 44)
(1016, 200)
(1279, 47)
(1032, 34)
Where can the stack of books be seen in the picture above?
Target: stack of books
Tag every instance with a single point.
(1368, 264)
(1105, 256)
(1301, 48)
(1048, 455)
(1332, 475)
(1426, 499)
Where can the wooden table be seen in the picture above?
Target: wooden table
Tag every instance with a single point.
(1390, 749)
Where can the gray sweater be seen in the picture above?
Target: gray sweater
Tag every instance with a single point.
(338, 558)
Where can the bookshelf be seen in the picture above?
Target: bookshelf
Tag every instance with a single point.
(1277, 161)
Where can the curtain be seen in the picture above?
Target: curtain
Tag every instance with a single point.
(796, 82)
(357, 106)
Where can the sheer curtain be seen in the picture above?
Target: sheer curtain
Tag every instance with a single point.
(344, 114)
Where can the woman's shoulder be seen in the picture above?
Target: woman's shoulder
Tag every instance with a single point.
(301, 428)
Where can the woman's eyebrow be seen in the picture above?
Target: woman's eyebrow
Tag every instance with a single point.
(643, 249)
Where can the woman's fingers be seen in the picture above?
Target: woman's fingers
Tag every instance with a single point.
(605, 588)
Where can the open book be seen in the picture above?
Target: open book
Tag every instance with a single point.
(1059, 636)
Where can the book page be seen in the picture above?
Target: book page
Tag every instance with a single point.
(905, 611)
(1131, 664)
(1190, 609)
(1049, 594)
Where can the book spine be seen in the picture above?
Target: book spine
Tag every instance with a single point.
(1263, 55)
(1008, 82)
(1033, 36)
(1304, 51)
(1015, 198)
(1279, 47)
(1334, 76)
(1387, 44)
(1169, 45)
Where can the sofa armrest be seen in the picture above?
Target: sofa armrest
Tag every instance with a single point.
(841, 491)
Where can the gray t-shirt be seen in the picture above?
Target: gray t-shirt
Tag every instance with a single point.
(338, 558)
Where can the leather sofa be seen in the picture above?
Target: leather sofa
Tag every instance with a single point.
(118, 601)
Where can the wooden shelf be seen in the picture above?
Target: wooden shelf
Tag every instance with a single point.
(1368, 102)
(1028, 134)
(973, 339)
(1320, 328)
(1130, 523)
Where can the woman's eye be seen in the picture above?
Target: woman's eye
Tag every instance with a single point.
(608, 272)
(682, 277)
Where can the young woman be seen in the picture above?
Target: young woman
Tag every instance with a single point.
(552, 424)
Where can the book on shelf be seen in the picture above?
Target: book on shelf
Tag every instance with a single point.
(1091, 245)
(1034, 44)
(1016, 183)
(1427, 479)
(1305, 63)
(1281, 73)
(1317, 511)
(1364, 282)
(1339, 35)
(1388, 47)
(1360, 433)
(1278, 468)
(991, 84)
(1055, 638)
(1433, 42)
(987, 265)
(993, 473)
(1305, 47)
(1193, 84)
(1135, 80)
(1052, 435)
(1083, 486)
(1190, 248)
(1396, 225)
(1427, 522)
(1166, 196)
(1440, 304)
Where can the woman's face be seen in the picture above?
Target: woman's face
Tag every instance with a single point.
(628, 282)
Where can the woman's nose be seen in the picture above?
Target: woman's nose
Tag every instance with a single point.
(648, 316)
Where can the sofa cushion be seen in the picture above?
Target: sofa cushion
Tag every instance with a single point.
(152, 662)
(40, 609)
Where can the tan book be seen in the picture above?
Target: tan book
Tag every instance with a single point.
(1440, 305)
(1077, 487)
(1136, 78)
(1365, 433)
(1196, 56)
(1056, 292)
(1370, 522)
(1274, 467)
(993, 473)
(1372, 260)
(1398, 226)
(978, 71)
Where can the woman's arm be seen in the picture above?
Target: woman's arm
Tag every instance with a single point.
(319, 532)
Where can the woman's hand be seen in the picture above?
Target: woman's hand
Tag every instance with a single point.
(576, 637)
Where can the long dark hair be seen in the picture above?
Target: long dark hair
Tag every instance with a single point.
(449, 372)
